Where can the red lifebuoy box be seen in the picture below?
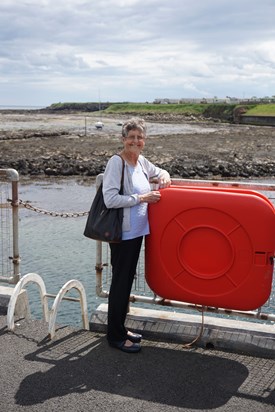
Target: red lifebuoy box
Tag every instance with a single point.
(211, 247)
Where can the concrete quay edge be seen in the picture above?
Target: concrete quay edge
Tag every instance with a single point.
(247, 337)
(22, 308)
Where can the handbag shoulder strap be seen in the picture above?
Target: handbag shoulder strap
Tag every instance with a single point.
(122, 173)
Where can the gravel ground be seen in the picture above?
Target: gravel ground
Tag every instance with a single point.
(69, 144)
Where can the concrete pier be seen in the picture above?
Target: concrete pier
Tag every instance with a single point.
(78, 371)
(22, 309)
(212, 332)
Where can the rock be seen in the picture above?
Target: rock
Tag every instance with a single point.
(222, 151)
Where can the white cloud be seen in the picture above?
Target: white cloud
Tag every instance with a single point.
(134, 50)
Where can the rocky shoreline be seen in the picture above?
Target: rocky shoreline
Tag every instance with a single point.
(219, 152)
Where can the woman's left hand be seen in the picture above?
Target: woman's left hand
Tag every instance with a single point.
(164, 182)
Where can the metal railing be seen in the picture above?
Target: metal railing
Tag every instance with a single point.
(142, 293)
(9, 252)
(9, 204)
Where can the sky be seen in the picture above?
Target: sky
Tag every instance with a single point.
(137, 51)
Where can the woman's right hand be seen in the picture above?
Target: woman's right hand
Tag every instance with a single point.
(150, 197)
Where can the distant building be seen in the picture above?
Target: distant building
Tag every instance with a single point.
(227, 99)
(190, 100)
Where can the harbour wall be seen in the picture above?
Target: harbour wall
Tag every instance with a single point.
(257, 120)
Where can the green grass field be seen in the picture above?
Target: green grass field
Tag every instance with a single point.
(262, 110)
(156, 108)
(219, 110)
(254, 109)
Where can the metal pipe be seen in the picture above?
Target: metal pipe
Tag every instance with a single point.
(15, 229)
(13, 176)
(6, 279)
(99, 266)
(71, 299)
(183, 305)
(219, 183)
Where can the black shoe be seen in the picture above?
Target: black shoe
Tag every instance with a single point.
(134, 348)
(134, 337)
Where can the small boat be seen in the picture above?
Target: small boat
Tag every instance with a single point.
(99, 125)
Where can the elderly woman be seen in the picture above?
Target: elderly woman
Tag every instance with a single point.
(134, 201)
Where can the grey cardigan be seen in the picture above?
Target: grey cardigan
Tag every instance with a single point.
(111, 185)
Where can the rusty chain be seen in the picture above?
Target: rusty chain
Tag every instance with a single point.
(51, 213)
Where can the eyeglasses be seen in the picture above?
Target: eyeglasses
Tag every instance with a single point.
(139, 138)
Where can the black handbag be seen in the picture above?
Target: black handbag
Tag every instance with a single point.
(105, 224)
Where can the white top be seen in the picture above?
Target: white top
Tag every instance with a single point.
(129, 199)
(139, 225)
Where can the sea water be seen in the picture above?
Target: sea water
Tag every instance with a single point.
(54, 247)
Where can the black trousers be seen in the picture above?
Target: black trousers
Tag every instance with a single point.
(124, 258)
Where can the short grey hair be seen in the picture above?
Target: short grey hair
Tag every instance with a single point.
(135, 123)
